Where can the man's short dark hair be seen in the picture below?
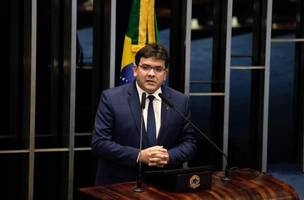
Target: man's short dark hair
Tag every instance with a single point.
(156, 51)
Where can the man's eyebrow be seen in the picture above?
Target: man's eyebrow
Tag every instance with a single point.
(152, 65)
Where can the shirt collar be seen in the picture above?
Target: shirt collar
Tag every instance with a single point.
(155, 94)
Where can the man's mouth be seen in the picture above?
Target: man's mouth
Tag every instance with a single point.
(150, 81)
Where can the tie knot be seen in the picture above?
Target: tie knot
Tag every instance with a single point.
(151, 98)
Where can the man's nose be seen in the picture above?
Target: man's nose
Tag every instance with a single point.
(151, 72)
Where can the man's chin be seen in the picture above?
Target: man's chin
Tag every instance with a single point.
(151, 88)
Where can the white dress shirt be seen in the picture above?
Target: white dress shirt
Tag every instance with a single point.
(156, 105)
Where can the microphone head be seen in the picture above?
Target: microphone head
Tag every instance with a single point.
(143, 100)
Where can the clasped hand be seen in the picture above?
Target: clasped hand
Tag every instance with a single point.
(156, 156)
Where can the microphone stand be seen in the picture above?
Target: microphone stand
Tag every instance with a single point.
(226, 172)
(138, 187)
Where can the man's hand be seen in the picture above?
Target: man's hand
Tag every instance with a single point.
(156, 156)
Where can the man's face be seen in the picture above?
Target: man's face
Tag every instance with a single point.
(150, 74)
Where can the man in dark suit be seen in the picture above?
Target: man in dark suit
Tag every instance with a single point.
(168, 140)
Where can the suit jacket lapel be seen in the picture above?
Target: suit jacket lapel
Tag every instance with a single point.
(134, 104)
(165, 110)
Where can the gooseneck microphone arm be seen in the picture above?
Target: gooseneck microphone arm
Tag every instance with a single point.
(138, 187)
(226, 175)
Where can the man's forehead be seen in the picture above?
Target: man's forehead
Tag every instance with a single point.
(152, 60)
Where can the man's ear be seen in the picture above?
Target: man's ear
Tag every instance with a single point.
(167, 74)
(134, 69)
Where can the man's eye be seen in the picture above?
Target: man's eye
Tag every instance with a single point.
(158, 69)
(145, 67)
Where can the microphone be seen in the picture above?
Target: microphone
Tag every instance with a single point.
(138, 187)
(226, 175)
(143, 100)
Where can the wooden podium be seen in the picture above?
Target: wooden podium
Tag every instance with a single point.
(245, 184)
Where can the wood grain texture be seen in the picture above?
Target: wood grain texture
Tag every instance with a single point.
(246, 184)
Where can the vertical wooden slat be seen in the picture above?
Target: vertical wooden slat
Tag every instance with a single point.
(69, 90)
(266, 86)
(188, 46)
(227, 80)
(29, 91)
(112, 43)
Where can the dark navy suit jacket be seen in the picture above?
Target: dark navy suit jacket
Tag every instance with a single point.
(116, 136)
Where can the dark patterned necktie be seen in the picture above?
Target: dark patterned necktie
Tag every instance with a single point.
(151, 126)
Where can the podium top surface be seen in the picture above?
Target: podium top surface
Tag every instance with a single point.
(246, 184)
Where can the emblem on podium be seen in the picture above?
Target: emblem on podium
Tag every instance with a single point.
(194, 181)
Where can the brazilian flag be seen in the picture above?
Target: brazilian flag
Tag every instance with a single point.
(142, 30)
